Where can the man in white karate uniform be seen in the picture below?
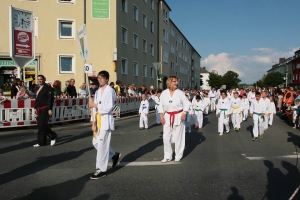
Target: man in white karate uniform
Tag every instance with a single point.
(212, 95)
(223, 112)
(268, 108)
(236, 111)
(103, 125)
(257, 111)
(156, 97)
(245, 107)
(251, 95)
(172, 109)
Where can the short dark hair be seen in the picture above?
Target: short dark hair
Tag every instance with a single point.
(257, 93)
(223, 91)
(104, 74)
(43, 77)
(198, 97)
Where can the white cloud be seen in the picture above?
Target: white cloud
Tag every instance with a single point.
(250, 68)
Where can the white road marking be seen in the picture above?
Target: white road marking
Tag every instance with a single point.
(273, 157)
(147, 163)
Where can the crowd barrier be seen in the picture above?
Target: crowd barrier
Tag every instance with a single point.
(15, 113)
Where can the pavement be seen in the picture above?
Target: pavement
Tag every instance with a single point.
(231, 166)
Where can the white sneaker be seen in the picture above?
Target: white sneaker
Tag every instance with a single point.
(165, 160)
(220, 134)
(177, 160)
(53, 142)
(190, 131)
(36, 145)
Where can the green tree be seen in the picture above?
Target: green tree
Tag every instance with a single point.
(215, 80)
(231, 79)
(273, 79)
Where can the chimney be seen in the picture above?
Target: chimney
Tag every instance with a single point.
(281, 60)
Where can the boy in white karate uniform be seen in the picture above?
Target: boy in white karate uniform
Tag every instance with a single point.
(223, 112)
(245, 106)
(207, 103)
(157, 101)
(212, 95)
(143, 112)
(188, 115)
(198, 107)
(272, 110)
(268, 108)
(257, 111)
(103, 125)
(236, 111)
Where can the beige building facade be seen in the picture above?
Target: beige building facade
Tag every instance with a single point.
(126, 42)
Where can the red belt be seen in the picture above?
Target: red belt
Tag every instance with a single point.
(172, 117)
(38, 110)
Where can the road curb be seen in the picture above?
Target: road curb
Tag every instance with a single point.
(14, 133)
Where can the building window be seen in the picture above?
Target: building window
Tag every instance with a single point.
(65, 1)
(152, 26)
(135, 41)
(124, 35)
(152, 49)
(66, 64)
(152, 4)
(172, 66)
(135, 13)
(144, 46)
(124, 66)
(164, 35)
(135, 69)
(144, 70)
(151, 72)
(145, 1)
(124, 6)
(66, 29)
(144, 21)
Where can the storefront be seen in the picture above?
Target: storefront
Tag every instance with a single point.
(9, 71)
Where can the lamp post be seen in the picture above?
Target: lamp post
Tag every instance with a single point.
(286, 74)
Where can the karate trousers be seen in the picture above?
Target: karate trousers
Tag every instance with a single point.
(271, 119)
(221, 122)
(176, 134)
(245, 114)
(199, 118)
(188, 121)
(258, 127)
(157, 117)
(104, 151)
(236, 120)
(143, 120)
(44, 128)
(266, 122)
(212, 104)
(206, 110)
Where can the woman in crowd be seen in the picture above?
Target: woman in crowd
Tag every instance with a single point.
(32, 93)
(57, 89)
(172, 109)
(15, 88)
(82, 92)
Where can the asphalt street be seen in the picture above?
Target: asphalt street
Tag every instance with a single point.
(230, 167)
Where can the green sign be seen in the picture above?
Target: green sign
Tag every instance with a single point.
(100, 9)
(12, 63)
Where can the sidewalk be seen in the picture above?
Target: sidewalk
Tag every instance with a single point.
(31, 130)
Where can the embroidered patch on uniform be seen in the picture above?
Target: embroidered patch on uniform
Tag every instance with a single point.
(170, 101)
(99, 102)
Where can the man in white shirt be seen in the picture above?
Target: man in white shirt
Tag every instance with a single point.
(212, 95)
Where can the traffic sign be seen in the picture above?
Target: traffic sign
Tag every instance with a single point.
(83, 43)
(22, 49)
(88, 68)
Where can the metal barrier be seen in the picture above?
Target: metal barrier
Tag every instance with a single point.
(15, 113)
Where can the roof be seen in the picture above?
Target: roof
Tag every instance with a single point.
(203, 70)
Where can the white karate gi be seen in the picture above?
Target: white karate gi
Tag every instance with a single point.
(272, 111)
(257, 109)
(144, 110)
(207, 103)
(223, 109)
(236, 112)
(245, 108)
(198, 110)
(188, 117)
(157, 101)
(174, 126)
(105, 102)
(212, 95)
(268, 108)
(251, 96)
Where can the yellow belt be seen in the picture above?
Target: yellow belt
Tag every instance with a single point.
(98, 120)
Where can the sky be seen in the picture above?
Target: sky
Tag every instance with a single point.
(245, 36)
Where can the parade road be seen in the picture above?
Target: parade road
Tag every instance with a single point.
(231, 166)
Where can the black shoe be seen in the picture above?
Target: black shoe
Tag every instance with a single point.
(115, 159)
(98, 174)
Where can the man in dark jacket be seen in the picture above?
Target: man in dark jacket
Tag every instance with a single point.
(43, 109)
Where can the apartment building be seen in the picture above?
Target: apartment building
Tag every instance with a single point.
(125, 39)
